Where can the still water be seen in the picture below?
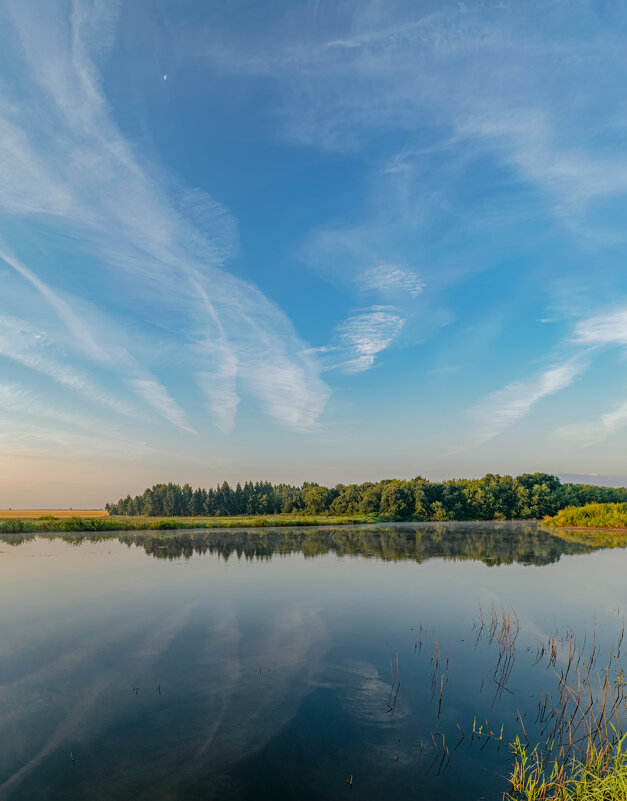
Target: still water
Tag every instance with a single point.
(289, 664)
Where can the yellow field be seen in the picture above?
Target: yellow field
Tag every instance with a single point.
(33, 514)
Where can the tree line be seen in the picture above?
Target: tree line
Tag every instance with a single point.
(493, 497)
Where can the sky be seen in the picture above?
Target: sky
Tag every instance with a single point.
(325, 241)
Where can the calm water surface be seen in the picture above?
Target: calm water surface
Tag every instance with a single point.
(278, 664)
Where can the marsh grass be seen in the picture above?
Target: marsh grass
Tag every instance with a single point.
(583, 756)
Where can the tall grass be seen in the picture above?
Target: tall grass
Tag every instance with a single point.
(600, 775)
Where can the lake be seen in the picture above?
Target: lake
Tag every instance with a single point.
(292, 663)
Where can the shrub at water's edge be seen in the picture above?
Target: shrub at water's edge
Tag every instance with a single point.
(592, 515)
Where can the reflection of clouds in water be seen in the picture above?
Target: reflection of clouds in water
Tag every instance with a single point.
(216, 708)
(66, 731)
(220, 657)
(89, 686)
(159, 637)
(256, 702)
(366, 697)
(292, 636)
(145, 637)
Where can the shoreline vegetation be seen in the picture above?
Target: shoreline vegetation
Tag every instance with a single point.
(599, 516)
(598, 773)
(530, 496)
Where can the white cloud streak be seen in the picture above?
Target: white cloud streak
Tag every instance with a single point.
(20, 402)
(156, 396)
(391, 279)
(31, 348)
(502, 409)
(601, 330)
(609, 328)
(592, 433)
(363, 336)
(158, 250)
(143, 383)
(77, 328)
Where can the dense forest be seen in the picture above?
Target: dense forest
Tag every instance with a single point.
(493, 497)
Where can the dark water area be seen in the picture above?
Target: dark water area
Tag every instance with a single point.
(344, 663)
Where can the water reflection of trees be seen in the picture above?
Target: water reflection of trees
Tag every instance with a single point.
(491, 543)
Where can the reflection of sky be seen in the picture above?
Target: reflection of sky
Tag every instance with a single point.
(259, 662)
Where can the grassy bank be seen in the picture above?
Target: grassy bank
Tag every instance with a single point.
(52, 523)
(592, 515)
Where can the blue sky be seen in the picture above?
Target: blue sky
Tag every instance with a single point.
(309, 241)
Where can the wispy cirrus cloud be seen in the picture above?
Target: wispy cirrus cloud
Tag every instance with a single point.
(500, 410)
(157, 396)
(461, 87)
(599, 331)
(32, 348)
(20, 403)
(158, 248)
(608, 328)
(77, 328)
(365, 335)
(586, 434)
(391, 279)
(445, 80)
(146, 386)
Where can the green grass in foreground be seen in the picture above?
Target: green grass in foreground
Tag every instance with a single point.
(600, 774)
(50, 523)
(592, 515)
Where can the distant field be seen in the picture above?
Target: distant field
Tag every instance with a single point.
(34, 514)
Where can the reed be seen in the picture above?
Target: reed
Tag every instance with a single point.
(501, 627)
(583, 757)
